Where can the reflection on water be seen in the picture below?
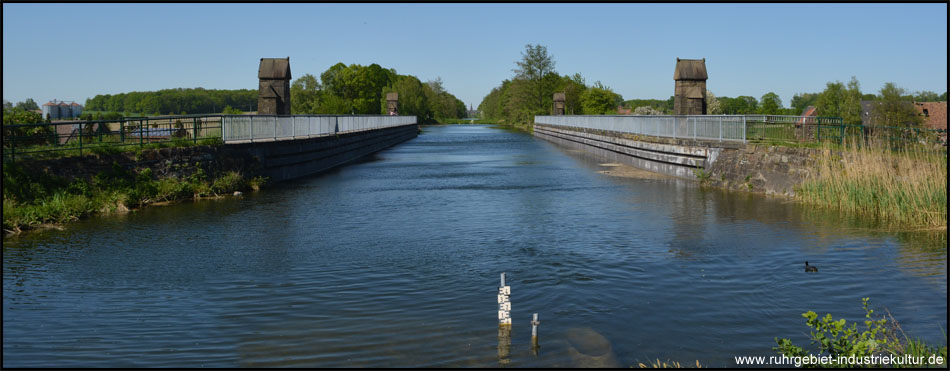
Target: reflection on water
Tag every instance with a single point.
(394, 262)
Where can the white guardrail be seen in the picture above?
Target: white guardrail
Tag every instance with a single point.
(708, 127)
(251, 128)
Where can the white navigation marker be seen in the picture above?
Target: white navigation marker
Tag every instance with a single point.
(504, 303)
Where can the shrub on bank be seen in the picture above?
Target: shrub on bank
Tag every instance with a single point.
(837, 340)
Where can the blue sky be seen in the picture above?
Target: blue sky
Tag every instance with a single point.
(75, 51)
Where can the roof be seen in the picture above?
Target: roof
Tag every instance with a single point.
(690, 69)
(274, 68)
(810, 111)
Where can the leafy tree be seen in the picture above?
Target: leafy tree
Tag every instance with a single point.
(172, 101)
(665, 106)
(25, 135)
(600, 99)
(7, 104)
(831, 101)
(412, 97)
(534, 66)
(771, 104)
(801, 101)
(572, 87)
(928, 96)
(851, 107)
(741, 105)
(891, 109)
(28, 105)
(305, 95)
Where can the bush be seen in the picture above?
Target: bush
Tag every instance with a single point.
(836, 339)
(229, 182)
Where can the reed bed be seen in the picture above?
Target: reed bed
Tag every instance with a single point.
(904, 188)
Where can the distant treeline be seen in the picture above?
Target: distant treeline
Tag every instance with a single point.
(838, 99)
(357, 89)
(178, 101)
(530, 92)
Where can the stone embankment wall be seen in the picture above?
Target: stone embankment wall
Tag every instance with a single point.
(730, 165)
(762, 168)
(277, 160)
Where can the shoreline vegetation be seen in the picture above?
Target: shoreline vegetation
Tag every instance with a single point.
(35, 200)
(882, 336)
(902, 189)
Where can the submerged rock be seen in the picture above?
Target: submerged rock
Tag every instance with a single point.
(588, 348)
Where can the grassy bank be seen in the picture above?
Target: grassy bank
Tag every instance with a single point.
(905, 189)
(32, 199)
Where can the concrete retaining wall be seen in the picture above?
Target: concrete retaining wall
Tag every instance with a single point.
(278, 160)
(673, 159)
(730, 165)
(289, 159)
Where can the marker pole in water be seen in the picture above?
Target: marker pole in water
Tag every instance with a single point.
(534, 334)
(504, 323)
(504, 303)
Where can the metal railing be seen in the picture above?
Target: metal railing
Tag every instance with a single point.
(754, 128)
(69, 138)
(706, 127)
(78, 137)
(251, 128)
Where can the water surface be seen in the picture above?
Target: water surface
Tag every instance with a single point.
(394, 262)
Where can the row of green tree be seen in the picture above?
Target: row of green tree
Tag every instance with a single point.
(27, 105)
(357, 89)
(838, 99)
(531, 92)
(178, 101)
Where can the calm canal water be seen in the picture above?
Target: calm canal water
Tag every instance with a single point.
(395, 261)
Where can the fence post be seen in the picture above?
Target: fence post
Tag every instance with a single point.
(141, 134)
(842, 133)
(13, 144)
(720, 130)
(194, 129)
(80, 140)
(275, 128)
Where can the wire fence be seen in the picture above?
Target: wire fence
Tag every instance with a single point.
(754, 128)
(706, 127)
(68, 138)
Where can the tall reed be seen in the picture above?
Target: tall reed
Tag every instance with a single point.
(902, 189)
